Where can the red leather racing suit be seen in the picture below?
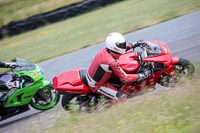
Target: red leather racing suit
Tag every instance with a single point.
(100, 71)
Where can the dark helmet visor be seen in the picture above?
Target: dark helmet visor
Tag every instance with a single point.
(121, 45)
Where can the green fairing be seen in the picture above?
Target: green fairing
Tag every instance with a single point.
(28, 89)
(45, 83)
(24, 95)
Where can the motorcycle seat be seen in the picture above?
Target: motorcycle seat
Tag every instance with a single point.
(83, 73)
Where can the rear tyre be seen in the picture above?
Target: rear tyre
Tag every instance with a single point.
(66, 100)
(80, 102)
(184, 68)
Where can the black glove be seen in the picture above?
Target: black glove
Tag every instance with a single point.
(11, 65)
(139, 43)
(146, 74)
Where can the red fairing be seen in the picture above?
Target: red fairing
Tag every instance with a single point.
(164, 57)
(128, 63)
(70, 81)
(175, 60)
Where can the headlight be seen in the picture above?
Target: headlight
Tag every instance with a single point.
(41, 71)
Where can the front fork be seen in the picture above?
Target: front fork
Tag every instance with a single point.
(170, 69)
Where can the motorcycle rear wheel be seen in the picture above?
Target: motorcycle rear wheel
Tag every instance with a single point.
(49, 99)
(184, 68)
(67, 100)
(80, 102)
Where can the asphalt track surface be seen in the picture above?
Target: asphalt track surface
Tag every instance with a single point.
(181, 34)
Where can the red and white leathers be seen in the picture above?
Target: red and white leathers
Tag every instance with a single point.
(100, 71)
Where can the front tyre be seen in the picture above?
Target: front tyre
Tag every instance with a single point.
(184, 68)
(45, 98)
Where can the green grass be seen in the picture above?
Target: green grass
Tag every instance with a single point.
(19, 9)
(91, 28)
(176, 110)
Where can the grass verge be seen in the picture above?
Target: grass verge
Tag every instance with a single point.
(21, 9)
(176, 110)
(91, 28)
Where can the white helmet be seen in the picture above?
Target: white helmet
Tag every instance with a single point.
(116, 43)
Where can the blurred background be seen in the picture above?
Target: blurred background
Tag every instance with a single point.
(50, 27)
(48, 31)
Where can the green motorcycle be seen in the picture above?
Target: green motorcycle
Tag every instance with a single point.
(33, 90)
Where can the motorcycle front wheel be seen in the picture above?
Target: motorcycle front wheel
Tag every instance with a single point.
(184, 68)
(45, 98)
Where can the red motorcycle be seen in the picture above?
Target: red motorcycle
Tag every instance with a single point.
(154, 56)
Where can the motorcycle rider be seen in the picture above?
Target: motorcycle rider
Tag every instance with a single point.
(105, 63)
(7, 85)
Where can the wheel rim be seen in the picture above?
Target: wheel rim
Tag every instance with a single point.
(47, 97)
(51, 99)
(184, 71)
(184, 68)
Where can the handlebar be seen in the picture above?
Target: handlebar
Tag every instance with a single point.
(144, 66)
